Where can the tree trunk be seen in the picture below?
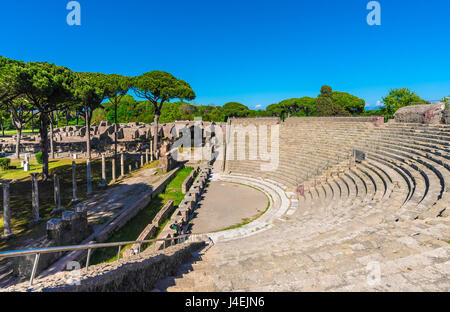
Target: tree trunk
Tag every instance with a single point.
(155, 138)
(3, 129)
(88, 134)
(67, 117)
(116, 127)
(43, 120)
(19, 137)
(32, 124)
(52, 147)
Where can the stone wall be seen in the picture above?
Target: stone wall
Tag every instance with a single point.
(182, 214)
(137, 273)
(188, 181)
(149, 231)
(377, 120)
(163, 214)
(256, 121)
(426, 114)
(446, 116)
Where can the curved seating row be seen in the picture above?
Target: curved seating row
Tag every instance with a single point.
(407, 170)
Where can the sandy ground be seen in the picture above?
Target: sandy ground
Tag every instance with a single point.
(227, 204)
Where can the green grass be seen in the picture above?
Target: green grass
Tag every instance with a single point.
(135, 226)
(25, 131)
(18, 173)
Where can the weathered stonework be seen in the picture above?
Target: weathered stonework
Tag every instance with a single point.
(427, 114)
(137, 273)
(188, 181)
(163, 214)
(446, 116)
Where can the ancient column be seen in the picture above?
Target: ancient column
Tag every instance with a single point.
(103, 183)
(89, 179)
(57, 193)
(146, 156)
(122, 165)
(142, 160)
(130, 168)
(35, 197)
(7, 231)
(74, 182)
(151, 151)
(114, 169)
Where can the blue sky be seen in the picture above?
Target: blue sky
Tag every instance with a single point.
(255, 52)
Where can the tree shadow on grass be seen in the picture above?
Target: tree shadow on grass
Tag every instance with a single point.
(21, 193)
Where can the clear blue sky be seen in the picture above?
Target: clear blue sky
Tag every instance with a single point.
(255, 52)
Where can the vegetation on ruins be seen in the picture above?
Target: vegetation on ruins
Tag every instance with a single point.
(158, 88)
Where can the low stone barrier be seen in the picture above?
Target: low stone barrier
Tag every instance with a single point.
(131, 212)
(152, 228)
(183, 212)
(166, 233)
(188, 203)
(149, 231)
(187, 206)
(188, 181)
(138, 273)
(163, 214)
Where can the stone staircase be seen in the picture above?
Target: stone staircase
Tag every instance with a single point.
(325, 257)
(389, 212)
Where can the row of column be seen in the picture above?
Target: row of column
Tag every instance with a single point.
(7, 232)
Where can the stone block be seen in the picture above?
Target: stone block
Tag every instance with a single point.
(54, 229)
(446, 116)
(163, 214)
(428, 114)
(68, 216)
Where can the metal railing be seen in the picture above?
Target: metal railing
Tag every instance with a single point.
(89, 247)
